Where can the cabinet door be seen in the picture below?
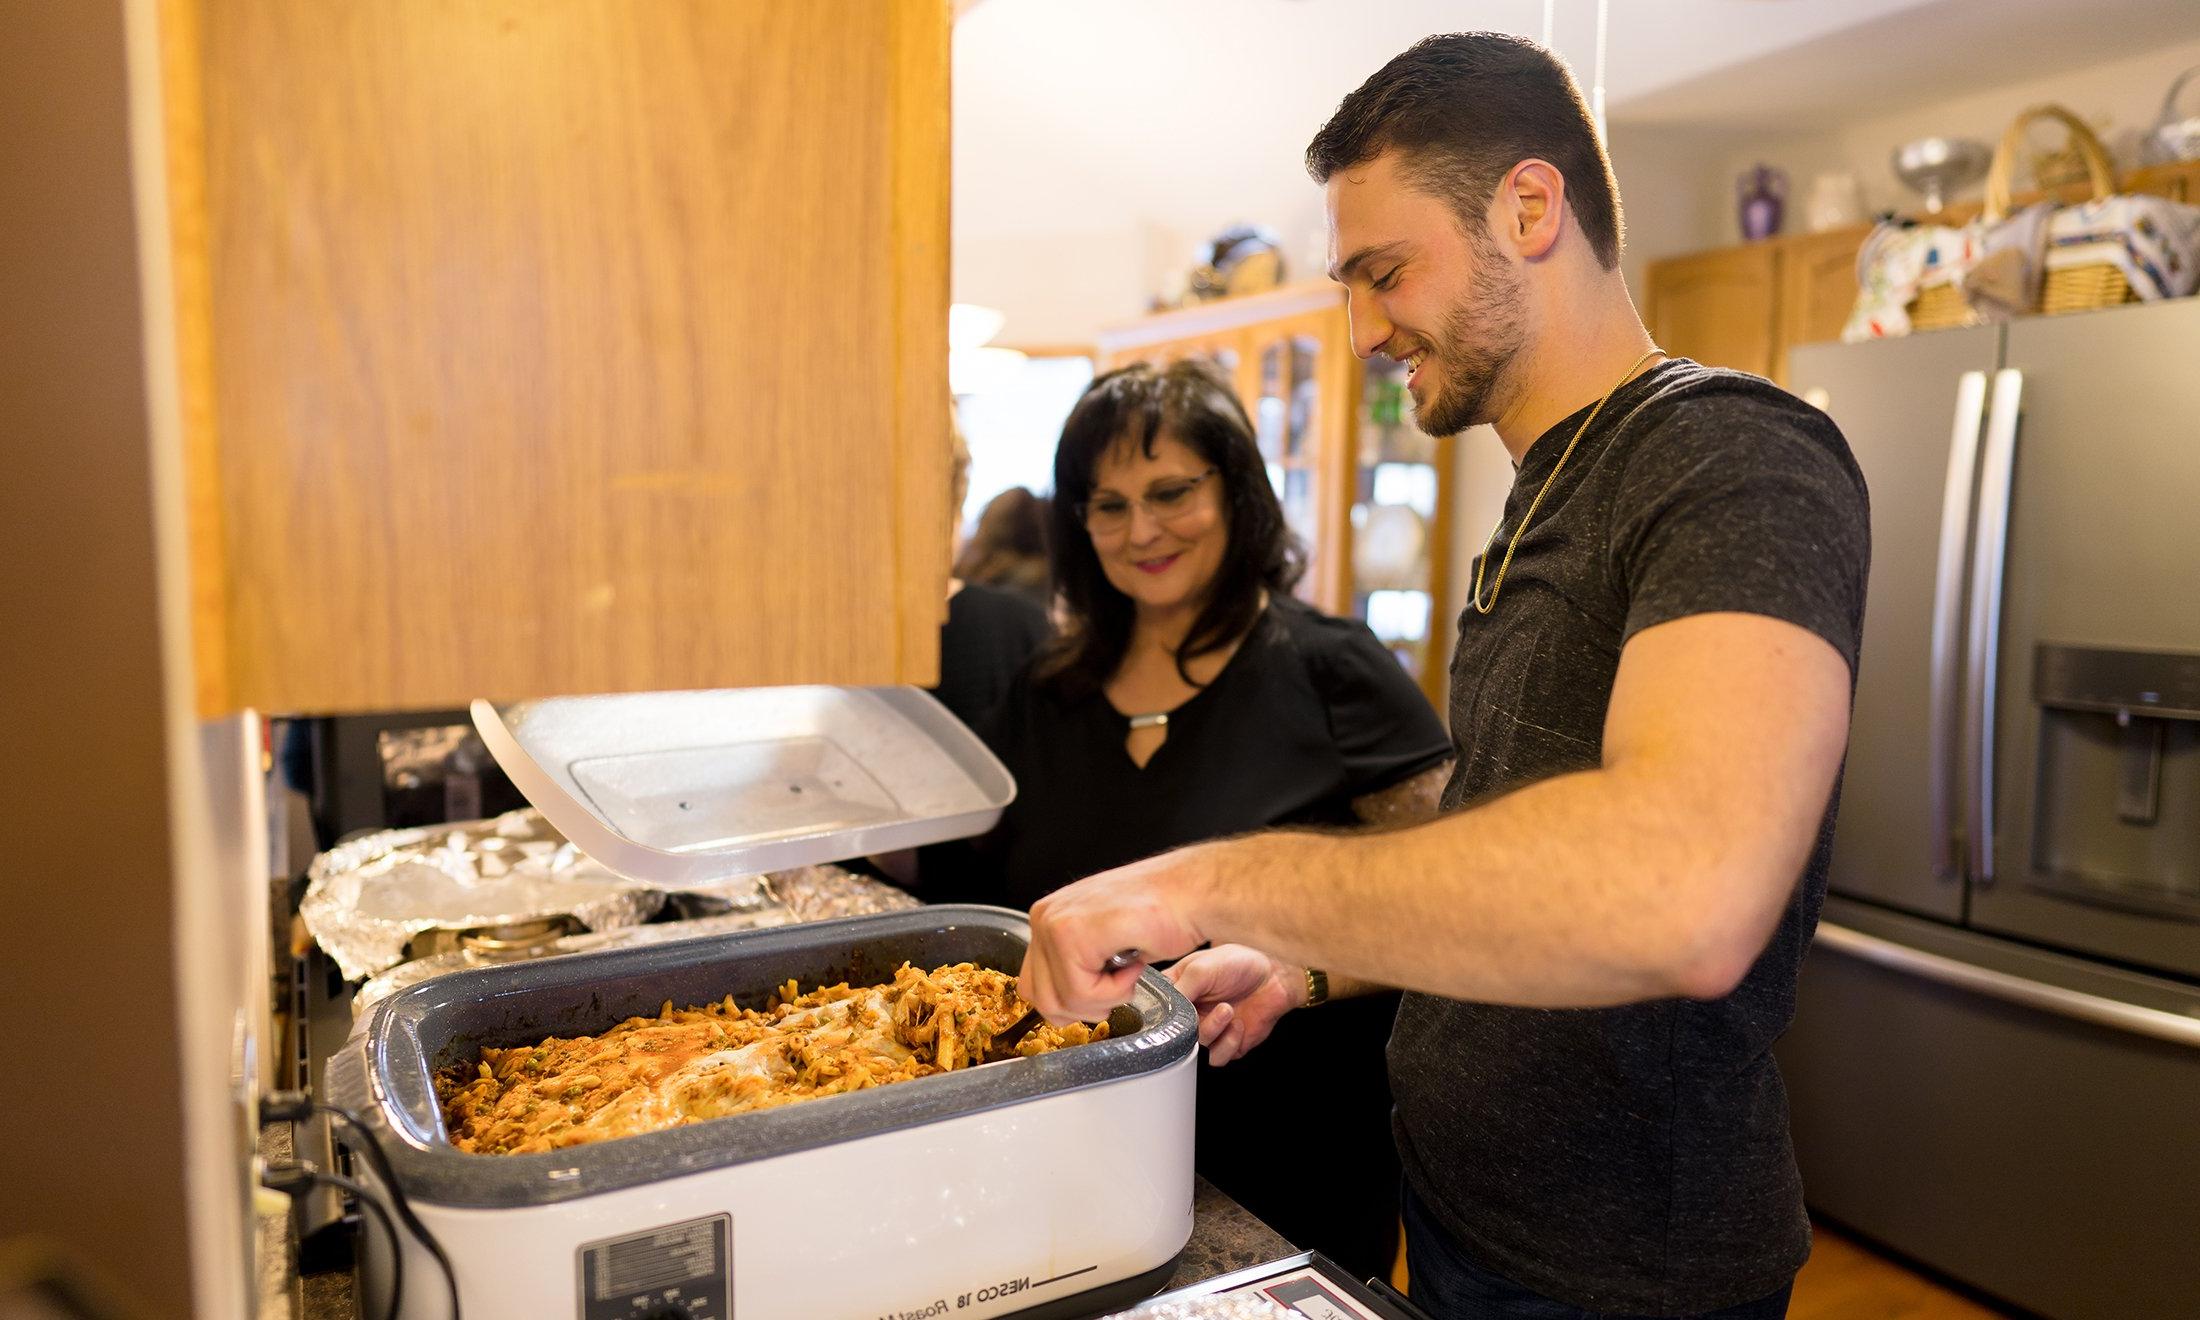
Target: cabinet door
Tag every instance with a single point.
(584, 347)
(1718, 307)
(1817, 288)
(1302, 418)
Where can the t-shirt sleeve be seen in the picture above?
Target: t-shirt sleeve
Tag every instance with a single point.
(1749, 506)
(1384, 729)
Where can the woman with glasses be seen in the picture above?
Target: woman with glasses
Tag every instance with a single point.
(1188, 696)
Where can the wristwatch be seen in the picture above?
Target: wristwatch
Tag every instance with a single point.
(1317, 986)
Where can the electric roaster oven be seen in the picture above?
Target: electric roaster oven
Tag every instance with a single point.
(1044, 1184)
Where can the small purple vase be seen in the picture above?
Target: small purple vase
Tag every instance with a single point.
(1761, 195)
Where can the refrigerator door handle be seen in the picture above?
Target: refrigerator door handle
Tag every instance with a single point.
(1997, 465)
(1943, 761)
(2097, 1009)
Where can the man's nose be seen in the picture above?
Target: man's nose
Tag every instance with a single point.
(1370, 329)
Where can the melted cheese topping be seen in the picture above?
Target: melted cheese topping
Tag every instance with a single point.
(689, 1064)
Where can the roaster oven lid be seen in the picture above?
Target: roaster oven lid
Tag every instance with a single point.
(682, 787)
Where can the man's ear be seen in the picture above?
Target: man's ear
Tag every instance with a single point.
(1531, 202)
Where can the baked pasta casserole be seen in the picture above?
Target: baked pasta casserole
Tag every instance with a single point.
(689, 1064)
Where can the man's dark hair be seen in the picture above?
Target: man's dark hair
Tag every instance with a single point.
(1138, 404)
(1463, 108)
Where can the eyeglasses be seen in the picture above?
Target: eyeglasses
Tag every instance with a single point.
(1164, 501)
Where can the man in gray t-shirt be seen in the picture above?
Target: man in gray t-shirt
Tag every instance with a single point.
(1599, 936)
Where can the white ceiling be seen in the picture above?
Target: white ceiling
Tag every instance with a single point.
(1081, 116)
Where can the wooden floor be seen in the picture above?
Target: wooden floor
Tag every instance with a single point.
(1846, 1280)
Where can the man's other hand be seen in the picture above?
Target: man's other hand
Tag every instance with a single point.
(1241, 993)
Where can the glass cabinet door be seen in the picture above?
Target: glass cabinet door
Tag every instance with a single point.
(1298, 442)
(1394, 517)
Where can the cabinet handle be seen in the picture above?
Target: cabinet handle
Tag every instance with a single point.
(1998, 465)
(1946, 663)
(2097, 1009)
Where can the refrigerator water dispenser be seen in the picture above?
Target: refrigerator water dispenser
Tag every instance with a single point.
(2118, 817)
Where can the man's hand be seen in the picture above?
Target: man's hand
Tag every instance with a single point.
(1241, 993)
(1147, 906)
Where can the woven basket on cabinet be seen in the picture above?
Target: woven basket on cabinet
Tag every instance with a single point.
(2080, 288)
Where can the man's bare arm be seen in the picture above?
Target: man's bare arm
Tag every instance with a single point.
(1661, 873)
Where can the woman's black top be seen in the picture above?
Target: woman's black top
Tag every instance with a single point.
(1310, 713)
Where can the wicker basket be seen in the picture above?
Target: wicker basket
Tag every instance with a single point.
(1941, 307)
(2081, 288)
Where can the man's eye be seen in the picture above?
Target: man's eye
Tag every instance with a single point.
(1387, 282)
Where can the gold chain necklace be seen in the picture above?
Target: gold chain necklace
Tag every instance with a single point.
(1484, 607)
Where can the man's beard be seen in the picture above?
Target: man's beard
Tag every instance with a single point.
(1479, 339)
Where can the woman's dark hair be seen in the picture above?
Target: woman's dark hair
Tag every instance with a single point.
(1188, 402)
(1461, 110)
(1009, 547)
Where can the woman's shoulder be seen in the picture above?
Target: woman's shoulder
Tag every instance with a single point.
(1343, 658)
(1378, 717)
(1318, 636)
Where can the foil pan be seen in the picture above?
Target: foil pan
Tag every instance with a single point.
(784, 898)
(822, 893)
(427, 969)
(366, 899)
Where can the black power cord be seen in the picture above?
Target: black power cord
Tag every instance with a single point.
(297, 1178)
(294, 1106)
(372, 1148)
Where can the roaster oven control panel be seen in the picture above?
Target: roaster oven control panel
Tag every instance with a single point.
(677, 1272)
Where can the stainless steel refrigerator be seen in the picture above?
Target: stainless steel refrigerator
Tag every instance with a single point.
(1995, 1065)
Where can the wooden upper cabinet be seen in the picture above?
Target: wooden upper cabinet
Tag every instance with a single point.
(583, 347)
(1719, 308)
(1817, 287)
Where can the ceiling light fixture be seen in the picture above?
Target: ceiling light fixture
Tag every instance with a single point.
(1596, 80)
(973, 368)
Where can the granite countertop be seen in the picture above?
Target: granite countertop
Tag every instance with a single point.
(1225, 1237)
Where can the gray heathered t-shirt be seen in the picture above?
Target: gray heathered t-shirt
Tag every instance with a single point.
(1632, 1159)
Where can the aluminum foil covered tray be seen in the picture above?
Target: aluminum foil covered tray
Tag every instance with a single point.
(369, 900)
(783, 898)
(366, 899)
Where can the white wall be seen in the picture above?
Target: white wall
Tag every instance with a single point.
(1663, 194)
(1064, 288)
(1055, 288)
